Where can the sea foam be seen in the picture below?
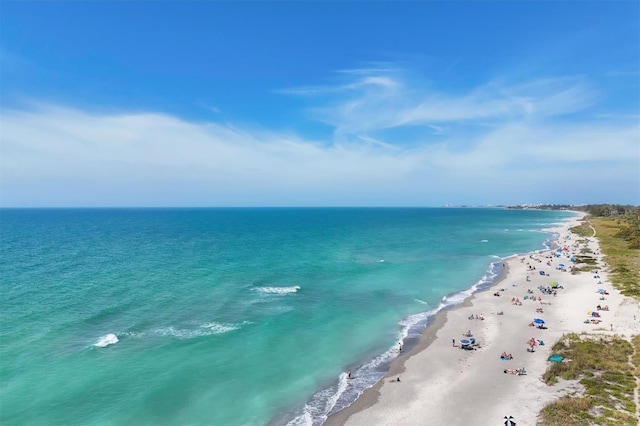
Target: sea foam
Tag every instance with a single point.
(278, 290)
(106, 340)
(180, 333)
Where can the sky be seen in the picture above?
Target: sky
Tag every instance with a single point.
(318, 103)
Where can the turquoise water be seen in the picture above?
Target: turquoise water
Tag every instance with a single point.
(227, 316)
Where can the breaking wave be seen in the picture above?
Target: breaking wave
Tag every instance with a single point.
(183, 333)
(278, 290)
(106, 340)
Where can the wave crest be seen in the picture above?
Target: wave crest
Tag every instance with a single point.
(106, 340)
(278, 290)
(204, 330)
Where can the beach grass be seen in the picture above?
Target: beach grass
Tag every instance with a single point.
(607, 367)
(583, 230)
(624, 261)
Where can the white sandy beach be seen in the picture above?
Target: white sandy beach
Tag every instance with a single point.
(442, 384)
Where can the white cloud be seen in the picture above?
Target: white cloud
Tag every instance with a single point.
(53, 155)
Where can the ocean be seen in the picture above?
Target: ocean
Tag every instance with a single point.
(228, 316)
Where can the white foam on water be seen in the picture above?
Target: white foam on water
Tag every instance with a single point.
(278, 290)
(106, 340)
(484, 241)
(217, 328)
(459, 297)
(333, 399)
(421, 301)
(317, 410)
(204, 330)
(305, 419)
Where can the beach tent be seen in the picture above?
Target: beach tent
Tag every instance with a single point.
(541, 272)
(556, 358)
(538, 321)
(601, 290)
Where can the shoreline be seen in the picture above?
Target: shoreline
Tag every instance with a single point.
(449, 386)
(370, 396)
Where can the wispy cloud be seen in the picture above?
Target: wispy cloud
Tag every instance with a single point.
(375, 102)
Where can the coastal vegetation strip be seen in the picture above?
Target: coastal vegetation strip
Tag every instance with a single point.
(607, 368)
(618, 231)
(619, 244)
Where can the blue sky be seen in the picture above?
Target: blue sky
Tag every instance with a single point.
(160, 103)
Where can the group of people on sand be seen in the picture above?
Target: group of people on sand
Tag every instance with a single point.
(506, 356)
(527, 297)
(479, 317)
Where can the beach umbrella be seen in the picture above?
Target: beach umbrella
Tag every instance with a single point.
(601, 290)
(541, 272)
(538, 321)
(465, 342)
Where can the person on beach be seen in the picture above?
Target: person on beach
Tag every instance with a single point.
(349, 374)
(453, 342)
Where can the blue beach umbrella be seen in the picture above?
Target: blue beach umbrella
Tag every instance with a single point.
(538, 321)
(464, 342)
